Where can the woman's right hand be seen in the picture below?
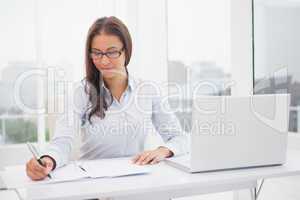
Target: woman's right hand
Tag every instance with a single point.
(36, 171)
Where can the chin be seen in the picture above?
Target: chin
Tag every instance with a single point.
(111, 73)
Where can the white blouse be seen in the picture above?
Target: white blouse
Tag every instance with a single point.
(141, 110)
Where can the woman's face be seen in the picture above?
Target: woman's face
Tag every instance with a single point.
(113, 63)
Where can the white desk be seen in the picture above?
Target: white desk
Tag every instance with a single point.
(8, 195)
(165, 182)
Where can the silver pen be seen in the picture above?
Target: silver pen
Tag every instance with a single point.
(36, 155)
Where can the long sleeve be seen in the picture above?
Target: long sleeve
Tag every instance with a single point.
(67, 128)
(168, 126)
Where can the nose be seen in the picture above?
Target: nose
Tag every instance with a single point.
(105, 60)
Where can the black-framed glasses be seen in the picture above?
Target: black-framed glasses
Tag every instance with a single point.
(97, 55)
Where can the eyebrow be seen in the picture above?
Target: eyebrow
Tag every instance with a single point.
(110, 48)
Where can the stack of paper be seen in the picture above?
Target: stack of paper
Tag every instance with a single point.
(15, 176)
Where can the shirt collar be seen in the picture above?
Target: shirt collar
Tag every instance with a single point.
(131, 83)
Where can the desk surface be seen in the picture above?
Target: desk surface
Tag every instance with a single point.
(8, 195)
(164, 179)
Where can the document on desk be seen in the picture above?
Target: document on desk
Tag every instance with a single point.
(15, 176)
(112, 168)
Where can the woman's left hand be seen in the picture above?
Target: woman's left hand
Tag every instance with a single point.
(152, 157)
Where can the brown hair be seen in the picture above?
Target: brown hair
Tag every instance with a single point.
(94, 86)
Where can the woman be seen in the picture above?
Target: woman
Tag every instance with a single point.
(115, 113)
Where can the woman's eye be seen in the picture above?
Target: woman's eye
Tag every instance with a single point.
(112, 53)
(95, 53)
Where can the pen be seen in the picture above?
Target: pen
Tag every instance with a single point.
(34, 152)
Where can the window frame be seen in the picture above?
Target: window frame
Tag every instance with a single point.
(242, 55)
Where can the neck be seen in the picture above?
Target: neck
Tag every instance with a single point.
(116, 82)
(117, 85)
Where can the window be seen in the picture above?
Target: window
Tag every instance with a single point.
(17, 53)
(276, 49)
(198, 50)
(42, 51)
(43, 47)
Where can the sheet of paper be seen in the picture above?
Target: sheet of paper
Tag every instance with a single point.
(112, 167)
(15, 176)
(69, 172)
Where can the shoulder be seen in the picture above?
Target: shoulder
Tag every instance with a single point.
(149, 91)
(144, 86)
(80, 95)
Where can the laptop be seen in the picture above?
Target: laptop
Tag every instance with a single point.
(236, 132)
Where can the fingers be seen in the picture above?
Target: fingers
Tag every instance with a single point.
(48, 163)
(136, 158)
(147, 157)
(155, 160)
(141, 157)
(38, 167)
(36, 171)
(34, 176)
